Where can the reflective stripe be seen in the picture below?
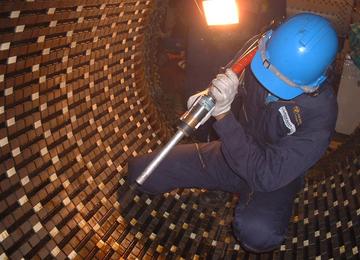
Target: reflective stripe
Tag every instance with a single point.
(287, 121)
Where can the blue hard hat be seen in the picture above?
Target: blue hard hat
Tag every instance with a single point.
(294, 58)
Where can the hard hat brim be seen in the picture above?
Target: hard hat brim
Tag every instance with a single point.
(271, 82)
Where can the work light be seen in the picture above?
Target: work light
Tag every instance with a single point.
(220, 12)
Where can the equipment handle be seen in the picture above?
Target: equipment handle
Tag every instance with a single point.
(242, 62)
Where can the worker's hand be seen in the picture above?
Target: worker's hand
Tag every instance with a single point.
(224, 89)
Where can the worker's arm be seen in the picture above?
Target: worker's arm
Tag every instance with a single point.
(267, 167)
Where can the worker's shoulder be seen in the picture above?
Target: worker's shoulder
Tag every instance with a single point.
(320, 108)
(321, 101)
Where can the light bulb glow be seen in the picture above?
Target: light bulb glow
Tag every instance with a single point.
(221, 12)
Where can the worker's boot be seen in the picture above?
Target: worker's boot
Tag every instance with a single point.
(214, 198)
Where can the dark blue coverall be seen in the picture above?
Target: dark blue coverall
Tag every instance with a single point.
(263, 153)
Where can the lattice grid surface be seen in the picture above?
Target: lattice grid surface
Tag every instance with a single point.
(74, 107)
(339, 12)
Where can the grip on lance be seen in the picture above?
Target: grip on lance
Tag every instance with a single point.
(191, 119)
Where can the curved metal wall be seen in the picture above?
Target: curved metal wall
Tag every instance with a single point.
(74, 105)
(73, 108)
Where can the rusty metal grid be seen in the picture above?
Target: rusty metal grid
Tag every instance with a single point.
(73, 109)
(339, 12)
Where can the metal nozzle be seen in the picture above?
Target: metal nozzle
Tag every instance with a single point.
(156, 161)
(189, 122)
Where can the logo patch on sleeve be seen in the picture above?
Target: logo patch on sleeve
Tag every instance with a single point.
(297, 115)
(287, 121)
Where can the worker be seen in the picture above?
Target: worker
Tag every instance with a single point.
(287, 116)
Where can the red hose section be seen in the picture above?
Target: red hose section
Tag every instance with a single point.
(242, 63)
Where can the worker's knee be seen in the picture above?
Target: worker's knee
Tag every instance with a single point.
(257, 234)
(135, 167)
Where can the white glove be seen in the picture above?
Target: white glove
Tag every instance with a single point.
(224, 89)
